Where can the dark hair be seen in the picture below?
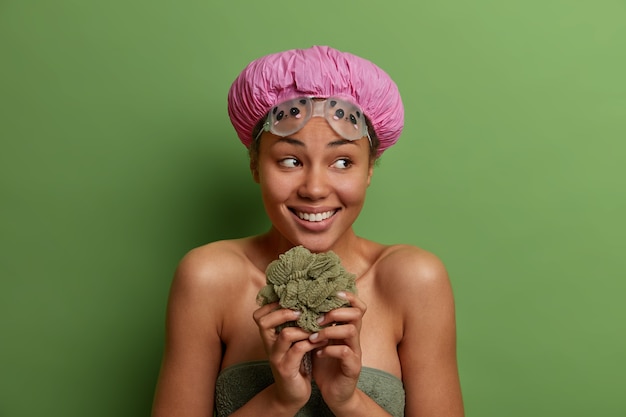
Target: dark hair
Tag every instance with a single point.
(253, 149)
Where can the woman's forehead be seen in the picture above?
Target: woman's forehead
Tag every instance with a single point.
(317, 132)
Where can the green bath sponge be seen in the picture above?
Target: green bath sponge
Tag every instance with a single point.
(307, 282)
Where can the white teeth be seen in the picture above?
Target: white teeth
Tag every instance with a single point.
(315, 217)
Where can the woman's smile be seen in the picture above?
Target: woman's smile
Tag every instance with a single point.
(314, 216)
(314, 221)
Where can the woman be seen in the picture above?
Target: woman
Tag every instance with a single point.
(314, 121)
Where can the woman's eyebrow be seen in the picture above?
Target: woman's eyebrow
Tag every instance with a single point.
(340, 142)
(332, 144)
(291, 141)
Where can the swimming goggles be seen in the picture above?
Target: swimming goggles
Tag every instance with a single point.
(344, 117)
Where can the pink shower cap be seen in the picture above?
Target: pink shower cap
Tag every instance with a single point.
(322, 72)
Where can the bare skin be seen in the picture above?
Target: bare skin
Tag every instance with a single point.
(401, 322)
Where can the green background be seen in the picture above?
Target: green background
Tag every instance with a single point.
(117, 156)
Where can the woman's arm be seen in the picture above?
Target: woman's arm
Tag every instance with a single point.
(193, 352)
(428, 348)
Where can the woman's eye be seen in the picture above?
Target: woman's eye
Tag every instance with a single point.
(342, 163)
(289, 162)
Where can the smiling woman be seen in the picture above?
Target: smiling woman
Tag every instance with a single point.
(314, 121)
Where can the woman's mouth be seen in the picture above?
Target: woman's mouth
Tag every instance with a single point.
(315, 217)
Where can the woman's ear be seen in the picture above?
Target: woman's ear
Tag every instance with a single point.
(370, 173)
(254, 169)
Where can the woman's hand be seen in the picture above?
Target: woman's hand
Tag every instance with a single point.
(337, 366)
(285, 351)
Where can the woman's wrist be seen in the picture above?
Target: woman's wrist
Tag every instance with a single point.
(280, 406)
(349, 407)
(359, 404)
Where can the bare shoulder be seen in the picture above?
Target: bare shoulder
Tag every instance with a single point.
(204, 259)
(208, 282)
(212, 265)
(413, 280)
(411, 267)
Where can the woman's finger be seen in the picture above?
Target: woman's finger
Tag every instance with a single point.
(271, 316)
(352, 313)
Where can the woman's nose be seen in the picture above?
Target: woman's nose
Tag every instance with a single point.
(315, 184)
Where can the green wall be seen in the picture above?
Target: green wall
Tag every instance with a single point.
(117, 156)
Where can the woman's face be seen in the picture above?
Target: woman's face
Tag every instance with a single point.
(313, 184)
